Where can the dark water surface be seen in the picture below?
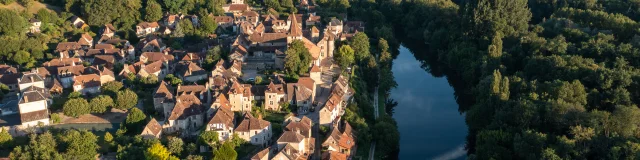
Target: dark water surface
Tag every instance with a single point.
(427, 113)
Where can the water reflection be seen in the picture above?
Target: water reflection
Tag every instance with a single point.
(427, 113)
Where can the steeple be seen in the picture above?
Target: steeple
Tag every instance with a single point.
(295, 30)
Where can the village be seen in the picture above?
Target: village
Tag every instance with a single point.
(245, 95)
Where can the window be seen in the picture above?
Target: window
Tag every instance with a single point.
(255, 132)
(270, 102)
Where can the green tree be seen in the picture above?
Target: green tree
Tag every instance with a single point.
(360, 45)
(208, 25)
(298, 58)
(76, 107)
(153, 11)
(209, 138)
(135, 116)
(126, 99)
(74, 94)
(42, 146)
(345, 57)
(12, 23)
(174, 6)
(21, 57)
(157, 152)
(6, 140)
(111, 88)
(225, 152)
(101, 103)
(175, 145)
(80, 144)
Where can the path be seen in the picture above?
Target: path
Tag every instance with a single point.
(375, 108)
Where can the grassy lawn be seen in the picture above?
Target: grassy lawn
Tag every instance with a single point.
(33, 9)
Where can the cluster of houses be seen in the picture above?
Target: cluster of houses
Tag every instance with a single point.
(209, 100)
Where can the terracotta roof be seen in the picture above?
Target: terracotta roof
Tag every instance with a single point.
(154, 67)
(251, 123)
(154, 126)
(275, 88)
(314, 30)
(307, 82)
(7, 69)
(223, 116)
(260, 27)
(315, 68)
(189, 89)
(156, 56)
(261, 154)
(9, 78)
(314, 19)
(104, 46)
(291, 136)
(148, 24)
(295, 30)
(186, 69)
(163, 91)
(186, 106)
(333, 155)
(87, 81)
(108, 28)
(268, 37)
(250, 13)
(85, 39)
(191, 57)
(238, 7)
(32, 96)
(300, 127)
(314, 50)
(35, 115)
(223, 19)
(30, 78)
(66, 46)
(73, 70)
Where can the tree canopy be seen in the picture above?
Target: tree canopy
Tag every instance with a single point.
(298, 58)
(126, 99)
(76, 107)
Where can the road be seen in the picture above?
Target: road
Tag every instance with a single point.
(375, 113)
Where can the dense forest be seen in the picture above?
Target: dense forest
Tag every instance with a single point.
(537, 79)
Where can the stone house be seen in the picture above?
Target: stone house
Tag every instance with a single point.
(200, 91)
(152, 130)
(274, 96)
(187, 115)
(88, 84)
(35, 25)
(224, 21)
(145, 28)
(240, 97)
(262, 155)
(254, 130)
(158, 68)
(341, 139)
(222, 122)
(108, 30)
(150, 57)
(86, 41)
(34, 101)
(163, 100)
(190, 72)
(77, 22)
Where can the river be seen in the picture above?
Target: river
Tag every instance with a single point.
(427, 113)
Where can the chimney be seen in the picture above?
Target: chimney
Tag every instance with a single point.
(26, 99)
(191, 56)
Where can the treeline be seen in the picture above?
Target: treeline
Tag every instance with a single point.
(536, 79)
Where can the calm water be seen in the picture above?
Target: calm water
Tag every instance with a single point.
(427, 113)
